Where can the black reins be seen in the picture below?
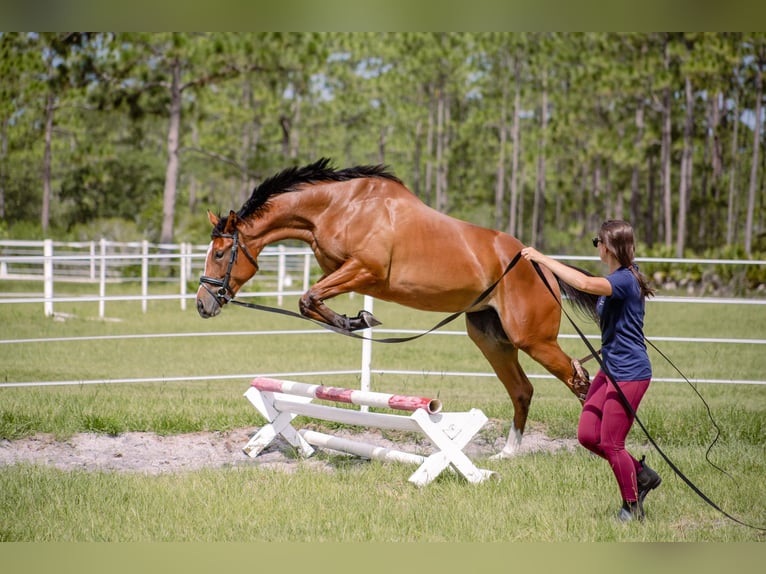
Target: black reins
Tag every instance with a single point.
(632, 411)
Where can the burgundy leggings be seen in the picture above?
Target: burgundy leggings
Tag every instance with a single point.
(604, 424)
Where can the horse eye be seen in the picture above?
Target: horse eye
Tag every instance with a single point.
(219, 254)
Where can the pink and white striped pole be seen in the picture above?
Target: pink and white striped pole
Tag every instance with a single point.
(350, 396)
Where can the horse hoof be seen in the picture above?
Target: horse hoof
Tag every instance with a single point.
(368, 319)
(502, 455)
(580, 380)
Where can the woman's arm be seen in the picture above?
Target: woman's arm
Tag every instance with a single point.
(575, 278)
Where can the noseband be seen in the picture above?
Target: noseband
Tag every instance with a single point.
(224, 294)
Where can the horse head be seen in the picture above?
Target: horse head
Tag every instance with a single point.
(225, 272)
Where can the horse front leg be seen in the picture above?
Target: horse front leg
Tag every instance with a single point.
(315, 308)
(350, 277)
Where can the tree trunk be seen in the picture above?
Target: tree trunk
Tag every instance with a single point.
(732, 204)
(582, 204)
(754, 162)
(247, 132)
(538, 208)
(429, 155)
(295, 124)
(417, 158)
(46, 211)
(595, 214)
(717, 164)
(612, 207)
(684, 187)
(635, 192)
(515, 140)
(649, 223)
(382, 140)
(3, 162)
(705, 218)
(441, 141)
(500, 177)
(171, 171)
(666, 143)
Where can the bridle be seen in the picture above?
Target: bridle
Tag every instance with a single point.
(224, 294)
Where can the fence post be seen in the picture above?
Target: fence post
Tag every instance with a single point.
(48, 277)
(364, 383)
(144, 273)
(102, 280)
(92, 260)
(280, 273)
(306, 271)
(184, 249)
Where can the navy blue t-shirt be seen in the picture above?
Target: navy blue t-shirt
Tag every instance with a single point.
(622, 328)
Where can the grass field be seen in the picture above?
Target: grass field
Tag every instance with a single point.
(541, 497)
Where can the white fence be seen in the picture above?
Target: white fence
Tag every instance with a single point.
(105, 263)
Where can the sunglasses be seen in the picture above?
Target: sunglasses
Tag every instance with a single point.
(596, 241)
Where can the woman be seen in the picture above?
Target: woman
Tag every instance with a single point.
(605, 420)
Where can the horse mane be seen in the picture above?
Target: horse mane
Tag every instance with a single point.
(292, 178)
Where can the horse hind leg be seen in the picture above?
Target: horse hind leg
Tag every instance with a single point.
(485, 330)
(568, 370)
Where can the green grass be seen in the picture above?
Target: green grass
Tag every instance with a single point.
(541, 497)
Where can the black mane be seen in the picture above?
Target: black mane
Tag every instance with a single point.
(292, 178)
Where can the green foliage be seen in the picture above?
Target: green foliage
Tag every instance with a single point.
(114, 228)
(117, 188)
(428, 104)
(720, 278)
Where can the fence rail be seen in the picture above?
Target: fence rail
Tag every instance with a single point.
(107, 262)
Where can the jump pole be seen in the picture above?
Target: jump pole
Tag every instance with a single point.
(360, 449)
(281, 401)
(349, 396)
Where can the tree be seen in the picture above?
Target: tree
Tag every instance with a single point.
(156, 72)
(759, 63)
(541, 134)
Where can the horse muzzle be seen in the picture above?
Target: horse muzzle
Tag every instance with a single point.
(208, 302)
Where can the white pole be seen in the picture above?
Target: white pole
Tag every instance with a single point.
(306, 271)
(366, 351)
(183, 275)
(48, 276)
(280, 273)
(359, 448)
(102, 280)
(92, 260)
(348, 416)
(144, 274)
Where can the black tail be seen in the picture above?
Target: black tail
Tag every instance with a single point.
(583, 302)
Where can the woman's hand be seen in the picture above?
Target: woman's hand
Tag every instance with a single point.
(531, 254)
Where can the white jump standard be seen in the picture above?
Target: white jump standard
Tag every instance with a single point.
(279, 402)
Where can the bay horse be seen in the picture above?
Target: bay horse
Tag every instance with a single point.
(373, 236)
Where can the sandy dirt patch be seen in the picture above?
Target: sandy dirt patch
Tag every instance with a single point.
(152, 454)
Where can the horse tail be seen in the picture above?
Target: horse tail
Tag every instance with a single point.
(583, 302)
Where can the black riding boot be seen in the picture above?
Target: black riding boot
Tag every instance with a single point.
(646, 480)
(631, 510)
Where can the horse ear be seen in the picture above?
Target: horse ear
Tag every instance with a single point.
(212, 217)
(231, 222)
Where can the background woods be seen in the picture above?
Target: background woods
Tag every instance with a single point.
(540, 134)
